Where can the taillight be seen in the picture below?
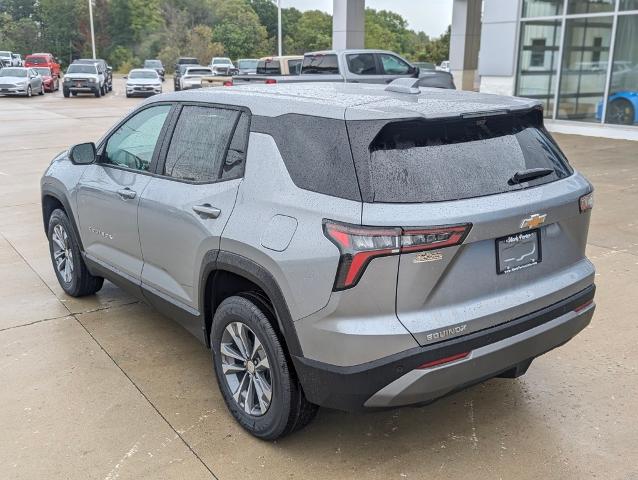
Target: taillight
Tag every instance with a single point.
(270, 81)
(359, 245)
(586, 202)
(228, 83)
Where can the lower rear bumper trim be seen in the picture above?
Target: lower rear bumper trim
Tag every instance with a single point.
(349, 388)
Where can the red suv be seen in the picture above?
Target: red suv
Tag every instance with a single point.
(43, 60)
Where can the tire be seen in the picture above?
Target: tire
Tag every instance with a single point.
(73, 276)
(288, 410)
(98, 92)
(41, 92)
(65, 92)
(621, 112)
(29, 91)
(75, 94)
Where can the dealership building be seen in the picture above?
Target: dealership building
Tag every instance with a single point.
(578, 57)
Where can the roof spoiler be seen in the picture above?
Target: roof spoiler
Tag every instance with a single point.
(434, 79)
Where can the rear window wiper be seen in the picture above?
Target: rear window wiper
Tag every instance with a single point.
(529, 174)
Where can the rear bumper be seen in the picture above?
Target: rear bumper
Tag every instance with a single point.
(395, 380)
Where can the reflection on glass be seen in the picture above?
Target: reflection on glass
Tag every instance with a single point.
(542, 8)
(629, 4)
(584, 67)
(622, 106)
(590, 6)
(538, 59)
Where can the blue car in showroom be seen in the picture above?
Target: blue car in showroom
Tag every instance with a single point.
(622, 108)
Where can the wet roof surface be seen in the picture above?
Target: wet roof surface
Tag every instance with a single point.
(352, 101)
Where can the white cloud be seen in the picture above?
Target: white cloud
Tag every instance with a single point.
(431, 16)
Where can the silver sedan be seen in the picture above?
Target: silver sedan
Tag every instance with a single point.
(20, 81)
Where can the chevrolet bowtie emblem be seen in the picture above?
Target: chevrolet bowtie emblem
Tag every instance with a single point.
(534, 221)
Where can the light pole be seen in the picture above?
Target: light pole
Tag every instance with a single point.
(279, 26)
(92, 32)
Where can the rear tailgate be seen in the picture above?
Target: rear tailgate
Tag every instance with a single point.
(524, 247)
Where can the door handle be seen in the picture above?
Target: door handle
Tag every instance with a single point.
(207, 211)
(127, 193)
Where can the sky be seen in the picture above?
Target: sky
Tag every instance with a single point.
(430, 16)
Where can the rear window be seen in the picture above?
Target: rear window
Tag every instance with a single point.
(268, 67)
(38, 60)
(433, 161)
(320, 63)
(199, 71)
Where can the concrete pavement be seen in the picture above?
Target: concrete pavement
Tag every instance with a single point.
(105, 387)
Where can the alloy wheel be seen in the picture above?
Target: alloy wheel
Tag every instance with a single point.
(62, 253)
(246, 369)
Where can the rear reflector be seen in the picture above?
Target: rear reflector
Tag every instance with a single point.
(584, 306)
(359, 245)
(586, 202)
(441, 361)
(228, 83)
(270, 81)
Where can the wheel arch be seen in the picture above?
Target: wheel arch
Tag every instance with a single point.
(53, 198)
(225, 274)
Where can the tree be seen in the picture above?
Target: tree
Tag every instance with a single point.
(313, 32)
(202, 46)
(238, 29)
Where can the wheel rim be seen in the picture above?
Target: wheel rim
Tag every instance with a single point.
(246, 369)
(620, 113)
(62, 253)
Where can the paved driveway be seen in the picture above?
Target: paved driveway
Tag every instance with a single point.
(104, 387)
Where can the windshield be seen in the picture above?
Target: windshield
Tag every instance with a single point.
(45, 72)
(37, 60)
(5, 54)
(13, 72)
(198, 71)
(412, 161)
(142, 74)
(80, 68)
(221, 61)
(153, 64)
(324, 64)
(247, 63)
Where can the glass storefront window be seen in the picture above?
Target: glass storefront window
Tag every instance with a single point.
(542, 8)
(629, 4)
(590, 6)
(584, 68)
(538, 60)
(622, 106)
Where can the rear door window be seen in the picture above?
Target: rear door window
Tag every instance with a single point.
(199, 143)
(320, 64)
(419, 161)
(362, 64)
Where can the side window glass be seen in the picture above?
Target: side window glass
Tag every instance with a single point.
(233, 166)
(199, 143)
(393, 65)
(132, 145)
(362, 64)
(294, 66)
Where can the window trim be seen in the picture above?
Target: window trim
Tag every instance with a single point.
(101, 147)
(168, 137)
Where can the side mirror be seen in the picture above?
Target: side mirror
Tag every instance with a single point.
(83, 153)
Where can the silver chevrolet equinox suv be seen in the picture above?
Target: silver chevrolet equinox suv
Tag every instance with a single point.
(342, 245)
